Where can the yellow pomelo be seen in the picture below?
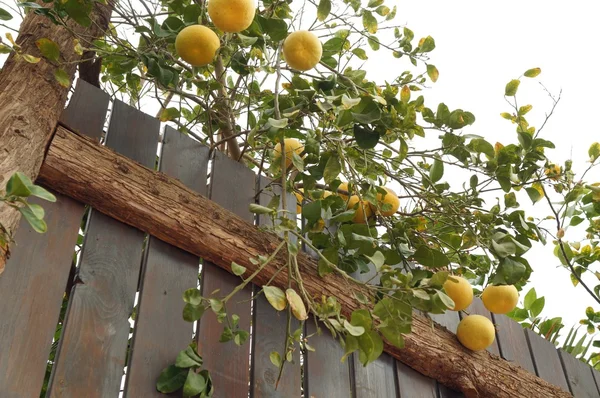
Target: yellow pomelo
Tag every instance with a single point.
(460, 291)
(363, 210)
(302, 50)
(291, 145)
(476, 332)
(299, 197)
(500, 299)
(391, 198)
(197, 45)
(343, 187)
(231, 15)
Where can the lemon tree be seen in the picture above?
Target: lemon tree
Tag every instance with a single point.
(285, 88)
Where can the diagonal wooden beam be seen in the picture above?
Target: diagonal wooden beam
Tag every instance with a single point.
(163, 207)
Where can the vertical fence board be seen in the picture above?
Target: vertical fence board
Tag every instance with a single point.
(92, 350)
(270, 326)
(513, 343)
(325, 376)
(450, 321)
(160, 331)
(233, 187)
(477, 308)
(546, 360)
(33, 284)
(579, 376)
(378, 379)
(413, 384)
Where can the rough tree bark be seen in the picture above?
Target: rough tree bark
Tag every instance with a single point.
(165, 208)
(31, 99)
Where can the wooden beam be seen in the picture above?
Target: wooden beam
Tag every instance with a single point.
(163, 207)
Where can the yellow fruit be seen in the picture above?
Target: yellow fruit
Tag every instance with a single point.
(291, 145)
(391, 198)
(363, 212)
(197, 45)
(319, 226)
(476, 332)
(231, 15)
(299, 197)
(500, 299)
(460, 291)
(343, 187)
(302, 50)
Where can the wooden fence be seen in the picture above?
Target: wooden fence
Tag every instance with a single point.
(96, 346)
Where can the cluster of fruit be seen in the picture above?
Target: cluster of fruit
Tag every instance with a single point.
(477, 332)
(198, 44)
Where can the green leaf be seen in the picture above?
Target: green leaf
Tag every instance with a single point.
(194, 384)
(437, 170)
(354, 330)
(278, 123)
(169, 114)
(505, 248)
(448, 302)
(530, 297)
(275, 358)
(4, 15)
(378, 259)
(276, 297)
(258, 209)
(532, 72)
(594, 151)
(192, 296)
(62, 78)
(360, 53)
(433, 73)
(48, 48)
(369, 22)
(509, 271)
(31, 59)
(333, 168)
(480, 145)
(37, 210)
(192, 313)
(42, 193)
(427, 44)
(276, 28)
(171, 379)
(323, 10)
(511, 88)
(429, 257)
(36, 223)
(19, 185)
(365, 138)
(237, 269)
(188, 358)
(79, 11)
(537, 306)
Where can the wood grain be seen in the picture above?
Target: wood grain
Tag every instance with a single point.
(513, 343)
(579, 376)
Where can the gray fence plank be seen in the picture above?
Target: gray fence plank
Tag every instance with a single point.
(579, 376)
(92, 349)
(325, 375)
(477, 308)
(36, 274)
(233, 187)
(413, 384)
(160, 331)
(546, 360)
(270, 326)
(513, 343)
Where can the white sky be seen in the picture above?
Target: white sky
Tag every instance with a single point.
(480, 46)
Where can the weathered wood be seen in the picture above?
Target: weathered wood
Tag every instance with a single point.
(233, 187)
(270, 326)
(478, 308)
(93, 345)
(40, 263)
(414, 384)
(325, 375)
(450, 321)
(31, 99)
(546, 360)
(513, 343)
(171, 212)
(579, 376)
(160, 331)
(32, 290)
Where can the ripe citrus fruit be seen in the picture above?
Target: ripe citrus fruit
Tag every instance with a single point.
(500, 299)
(231, 15)
(343, 187)
(302, 50)
(363, 211)
(391, 198)
(291, 145)
(460, 291)
(299, 197)
(197, 45)
(476, 332)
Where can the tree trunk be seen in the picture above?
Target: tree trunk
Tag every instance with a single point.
(31, 99)
(163, 207)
